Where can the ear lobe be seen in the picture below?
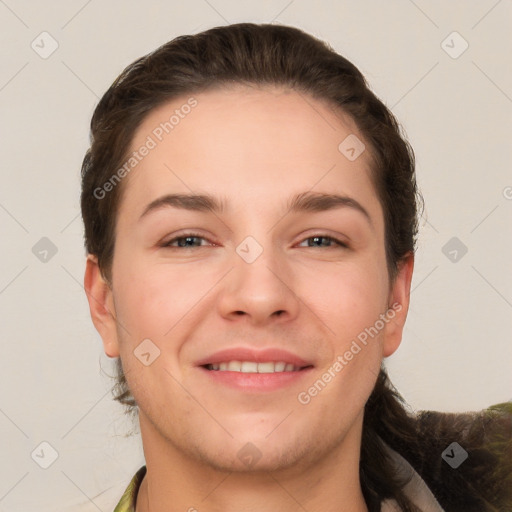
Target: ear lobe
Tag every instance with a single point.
(101, 306)
(398, 302)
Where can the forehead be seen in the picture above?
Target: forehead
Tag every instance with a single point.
(239, 142)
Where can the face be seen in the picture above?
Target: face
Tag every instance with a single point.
(270, 272)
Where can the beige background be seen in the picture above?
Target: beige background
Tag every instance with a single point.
(457, 112)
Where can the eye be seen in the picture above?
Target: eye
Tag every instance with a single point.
(185, 241)
(193, 240)
(317, 239)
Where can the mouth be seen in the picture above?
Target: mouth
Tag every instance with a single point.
(255, 367)
(249, 370)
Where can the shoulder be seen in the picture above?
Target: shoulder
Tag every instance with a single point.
(119, 498)
(105, 501)
(466, 458)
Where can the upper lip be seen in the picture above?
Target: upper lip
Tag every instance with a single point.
(250, 354)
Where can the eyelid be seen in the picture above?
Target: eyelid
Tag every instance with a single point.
(338, 241)
(326, 233)
(186, 234)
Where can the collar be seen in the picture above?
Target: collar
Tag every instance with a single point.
(416, 489)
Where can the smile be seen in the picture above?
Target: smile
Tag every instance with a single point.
(253, 367)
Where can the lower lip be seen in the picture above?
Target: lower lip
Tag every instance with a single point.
(256, 381)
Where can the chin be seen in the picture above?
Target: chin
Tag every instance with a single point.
(250, 458)
(247, 452)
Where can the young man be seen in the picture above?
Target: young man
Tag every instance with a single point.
(251, 214)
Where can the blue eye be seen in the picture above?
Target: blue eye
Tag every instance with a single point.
(189, 241)
(187, 238)
(325, 237)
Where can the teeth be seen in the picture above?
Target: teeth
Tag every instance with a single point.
(266, 367)
(253, 367)
(249, 367)
(279, 367)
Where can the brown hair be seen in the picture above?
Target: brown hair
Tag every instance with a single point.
(252, 54)
(267, 54)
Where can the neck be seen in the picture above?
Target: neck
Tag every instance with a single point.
(175, 481)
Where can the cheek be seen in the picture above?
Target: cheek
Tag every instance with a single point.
(154, 298)
(349, 297)
(358, 298)
(351, 304)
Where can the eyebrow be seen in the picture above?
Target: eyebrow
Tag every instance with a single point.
(303, 202)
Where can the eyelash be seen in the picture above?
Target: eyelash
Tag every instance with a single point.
(342, 245)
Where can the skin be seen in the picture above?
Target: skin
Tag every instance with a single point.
(255, 148)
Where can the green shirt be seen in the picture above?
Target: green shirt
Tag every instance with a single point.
(129, 498)
(416, 488)
(487, 476)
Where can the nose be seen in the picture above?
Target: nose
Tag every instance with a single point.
(262, 290)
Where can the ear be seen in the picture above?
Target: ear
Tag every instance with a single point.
(398, 305)
(101, 306)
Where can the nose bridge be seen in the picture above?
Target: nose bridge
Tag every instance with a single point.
(258, 284)
(257, 264)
